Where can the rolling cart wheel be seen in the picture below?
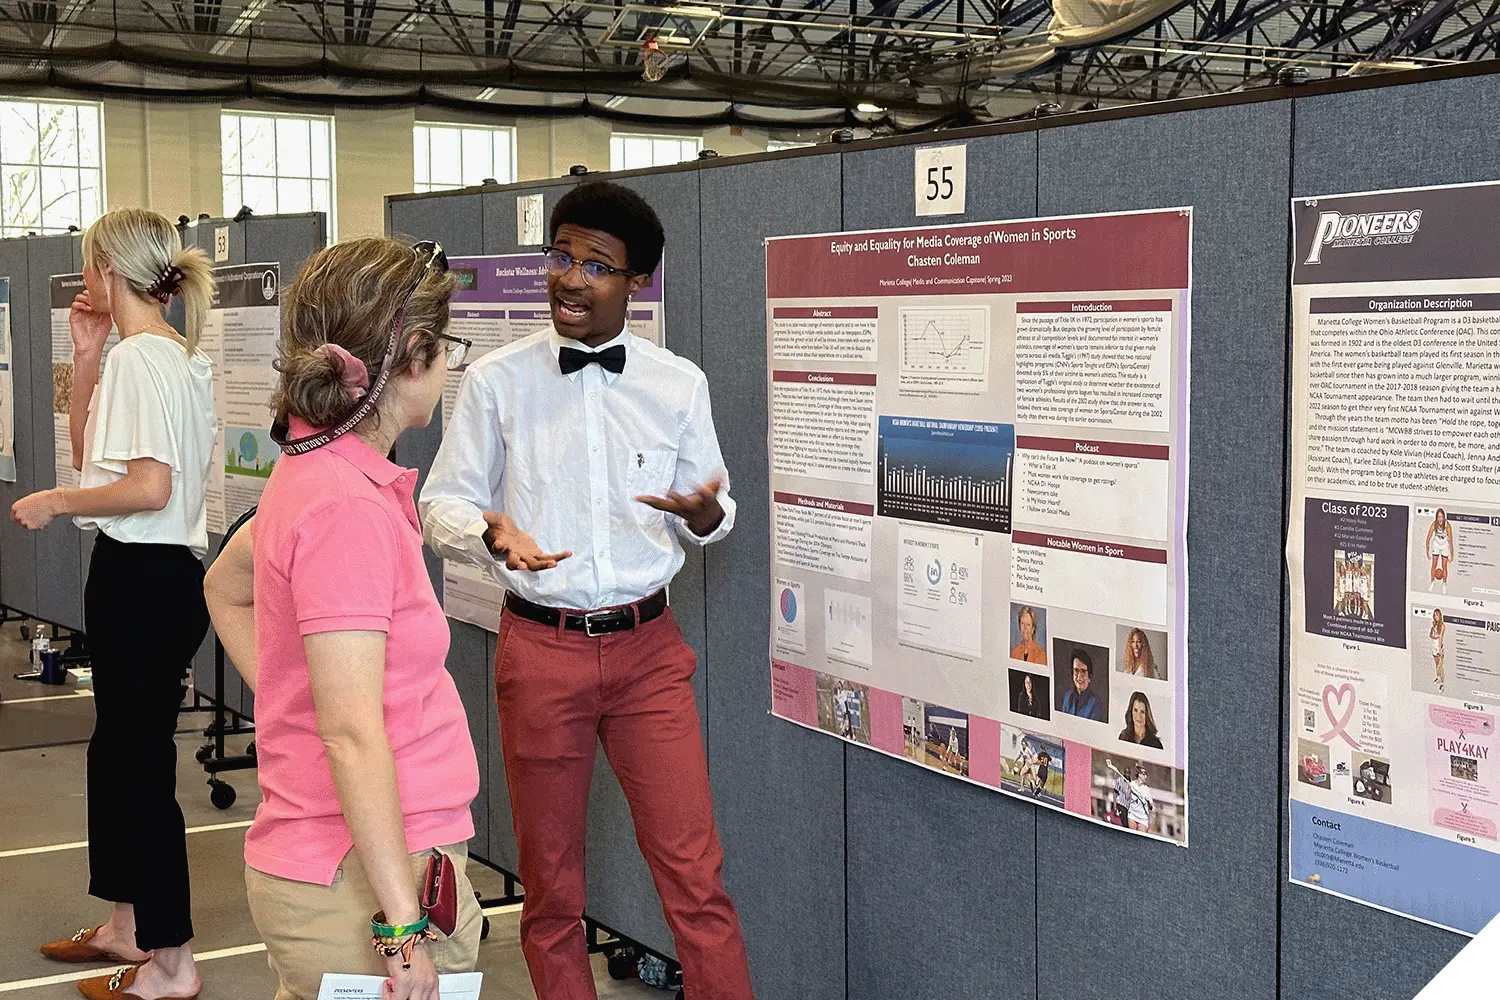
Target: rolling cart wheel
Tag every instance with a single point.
(250, 749)
(26, 632)
(221, 794)
(621, 963)
(484, 930)
(204, 753)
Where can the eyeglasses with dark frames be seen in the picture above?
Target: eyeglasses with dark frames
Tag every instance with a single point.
(560, 262)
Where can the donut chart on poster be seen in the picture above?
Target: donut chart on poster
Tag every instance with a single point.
(978, 451)
(1393, 551)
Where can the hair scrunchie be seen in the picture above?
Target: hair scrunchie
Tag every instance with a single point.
(167, 284)
(353, 374)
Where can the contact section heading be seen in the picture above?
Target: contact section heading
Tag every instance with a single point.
(1123, 252)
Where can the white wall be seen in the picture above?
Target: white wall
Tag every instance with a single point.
(167, 156)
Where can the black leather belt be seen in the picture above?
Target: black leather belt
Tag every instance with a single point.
(591, 623)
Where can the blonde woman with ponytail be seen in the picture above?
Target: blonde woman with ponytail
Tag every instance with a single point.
(143, 435)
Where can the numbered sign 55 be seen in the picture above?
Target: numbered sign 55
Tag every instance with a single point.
(940, 179)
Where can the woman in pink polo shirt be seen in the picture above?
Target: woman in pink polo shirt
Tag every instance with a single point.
(326, 607)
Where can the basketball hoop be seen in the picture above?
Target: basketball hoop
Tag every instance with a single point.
(653, 61)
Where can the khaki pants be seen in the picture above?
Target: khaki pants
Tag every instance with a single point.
(311, 929)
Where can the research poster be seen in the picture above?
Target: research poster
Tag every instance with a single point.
(1393, 551)
(64, 289)
(978, 451)
(499, 300)
(7, 391)
(239, 336)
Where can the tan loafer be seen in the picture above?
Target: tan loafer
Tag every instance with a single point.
(78, 949)
(116, 986)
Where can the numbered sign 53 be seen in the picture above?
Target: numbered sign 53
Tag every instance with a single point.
(221, 244)
(940, 180)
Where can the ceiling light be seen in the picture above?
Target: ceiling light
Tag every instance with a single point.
(866, 108)
(488, 94)
(615, 102)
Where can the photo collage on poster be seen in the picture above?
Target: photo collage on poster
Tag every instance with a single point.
(978, 443)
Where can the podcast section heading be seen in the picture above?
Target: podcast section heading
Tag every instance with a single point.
(1141, 251)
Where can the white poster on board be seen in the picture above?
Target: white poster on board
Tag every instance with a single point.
(239, 335)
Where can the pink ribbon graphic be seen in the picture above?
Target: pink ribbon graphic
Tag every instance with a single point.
(1339, 724)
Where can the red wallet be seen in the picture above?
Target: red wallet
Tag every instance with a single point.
(440, 893)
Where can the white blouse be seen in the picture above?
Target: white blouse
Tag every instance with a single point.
(153, 401)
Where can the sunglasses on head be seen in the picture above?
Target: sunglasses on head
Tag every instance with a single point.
(434, 261)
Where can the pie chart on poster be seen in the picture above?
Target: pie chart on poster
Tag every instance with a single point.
(788, 605)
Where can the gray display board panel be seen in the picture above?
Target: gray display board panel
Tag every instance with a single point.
(457, 222)
(933, 846)
(1394, 137)
(778, 789)
(287, 240)
(1199, 923)
(59, 580)
(42, 573)
(17, 545)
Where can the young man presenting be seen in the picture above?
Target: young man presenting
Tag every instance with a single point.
(600, 446)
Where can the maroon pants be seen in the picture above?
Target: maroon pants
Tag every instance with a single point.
(558, 692)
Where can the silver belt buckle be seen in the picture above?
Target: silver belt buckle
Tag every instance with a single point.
(588, 623)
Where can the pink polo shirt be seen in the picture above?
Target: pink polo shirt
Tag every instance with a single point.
(338, 548)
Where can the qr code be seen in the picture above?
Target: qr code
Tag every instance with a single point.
(1308, 719)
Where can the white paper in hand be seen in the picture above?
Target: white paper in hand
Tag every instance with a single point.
(458, 986)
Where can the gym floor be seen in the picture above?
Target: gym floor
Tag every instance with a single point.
(44, 733)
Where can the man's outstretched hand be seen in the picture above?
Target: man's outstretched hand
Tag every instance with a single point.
(518, 549)
(699, 510)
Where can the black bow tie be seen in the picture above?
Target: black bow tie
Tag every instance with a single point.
(611, 359)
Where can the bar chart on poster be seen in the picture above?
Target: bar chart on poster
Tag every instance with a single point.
(1393, 552)
(500, 300)
(978, 452)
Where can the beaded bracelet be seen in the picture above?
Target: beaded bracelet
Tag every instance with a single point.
(390, 948)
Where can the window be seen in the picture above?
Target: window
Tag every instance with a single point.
(632, 152)
(776, 146)
(277, 164)
(455, 156)
(51, 166)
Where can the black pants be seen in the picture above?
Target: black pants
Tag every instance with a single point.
(145, 618)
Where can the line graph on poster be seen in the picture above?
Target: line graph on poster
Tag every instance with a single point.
(946, 348)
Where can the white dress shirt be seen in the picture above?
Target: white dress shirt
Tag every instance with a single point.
(565, 456)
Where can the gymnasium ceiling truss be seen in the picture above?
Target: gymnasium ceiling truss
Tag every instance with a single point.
(886, 65)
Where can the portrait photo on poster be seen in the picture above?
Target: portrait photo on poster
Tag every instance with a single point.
(1028, 634)
(1081, 678)
(1141, 652)
(1030, 694)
